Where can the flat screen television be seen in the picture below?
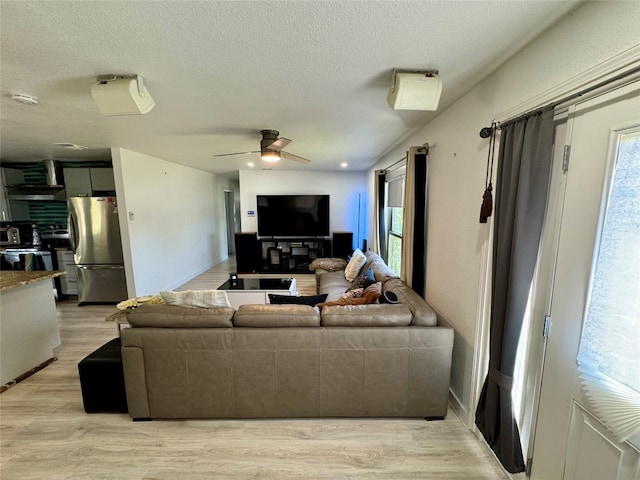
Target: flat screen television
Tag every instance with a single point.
(293, 215)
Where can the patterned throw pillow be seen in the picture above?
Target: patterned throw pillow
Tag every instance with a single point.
(354, 293)
(363, 280)
(357, 261)
(373, 292)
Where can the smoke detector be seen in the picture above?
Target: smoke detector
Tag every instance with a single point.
(23, 98)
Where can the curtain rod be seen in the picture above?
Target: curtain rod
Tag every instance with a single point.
(403, 159)
(487, 131)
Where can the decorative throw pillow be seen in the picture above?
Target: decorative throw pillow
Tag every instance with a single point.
(357, 261)
(328, 264)
(354, 293)
(196, 298)
(311, 300)
(363, 280)
(373, 292)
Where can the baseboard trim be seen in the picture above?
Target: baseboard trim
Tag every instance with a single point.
(26, 374)
(458, 407)
(193, 275)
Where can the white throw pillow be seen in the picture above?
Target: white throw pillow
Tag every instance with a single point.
(196, 298)
(358, 259)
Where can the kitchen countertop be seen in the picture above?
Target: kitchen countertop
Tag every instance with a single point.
(17, 278)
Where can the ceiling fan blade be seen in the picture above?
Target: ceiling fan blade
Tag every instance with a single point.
(237, 153)
(295, 158)
(279, 144)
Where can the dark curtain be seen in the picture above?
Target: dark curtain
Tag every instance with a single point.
(524, 166)
(380, 212)
(419, 271)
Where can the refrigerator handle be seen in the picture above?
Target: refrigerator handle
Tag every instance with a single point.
(72, 232)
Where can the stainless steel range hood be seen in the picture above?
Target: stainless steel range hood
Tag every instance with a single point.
(49, 191)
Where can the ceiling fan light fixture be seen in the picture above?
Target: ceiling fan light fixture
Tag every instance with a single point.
(270, 155)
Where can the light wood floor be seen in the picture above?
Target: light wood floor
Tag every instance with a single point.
(45, 434)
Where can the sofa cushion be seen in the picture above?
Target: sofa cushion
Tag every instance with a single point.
(352, 270)
(311, 300)
(333, 284)
(196, 298)
(277, 316)
(423, 314)
(374, 315)
(174, 316)
(369, 295)
(380, 269)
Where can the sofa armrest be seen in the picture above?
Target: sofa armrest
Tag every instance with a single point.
(135, 382)
(423, 314)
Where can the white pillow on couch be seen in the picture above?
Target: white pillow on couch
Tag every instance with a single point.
(358, 259)
(196, 298)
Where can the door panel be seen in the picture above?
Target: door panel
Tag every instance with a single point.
(592, 453)
(570, 441)
(95, 230)
(101, 284)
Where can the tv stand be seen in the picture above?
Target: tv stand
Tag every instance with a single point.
(285, 255)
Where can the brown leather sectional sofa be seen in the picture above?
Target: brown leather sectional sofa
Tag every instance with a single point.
(274, 361)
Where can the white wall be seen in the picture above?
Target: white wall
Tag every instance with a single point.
(177, 230)
(347, 191)
(591, 35)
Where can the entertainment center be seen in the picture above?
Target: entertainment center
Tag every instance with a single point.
(293, 230)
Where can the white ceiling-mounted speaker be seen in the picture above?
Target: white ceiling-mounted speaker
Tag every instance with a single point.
(121, 95)
(415, 90)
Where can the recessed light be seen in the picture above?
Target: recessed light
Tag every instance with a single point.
(71, 146)
(250, 164)
(23, 98)
(344, 164)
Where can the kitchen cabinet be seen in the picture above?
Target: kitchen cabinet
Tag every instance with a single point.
(28, 322)
(102, 179)
(68, 282)
(77, 182)
(88, 182)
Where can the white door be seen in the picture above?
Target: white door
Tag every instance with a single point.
(571, 441)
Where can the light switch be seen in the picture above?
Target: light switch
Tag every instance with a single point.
(131, 216)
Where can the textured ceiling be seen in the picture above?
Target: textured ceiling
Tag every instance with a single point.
(219, 72)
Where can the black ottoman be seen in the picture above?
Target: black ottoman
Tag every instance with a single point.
(102, 380)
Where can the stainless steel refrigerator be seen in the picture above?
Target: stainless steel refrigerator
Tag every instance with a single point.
(94, 233)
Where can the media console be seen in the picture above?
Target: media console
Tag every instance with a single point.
(284, 255)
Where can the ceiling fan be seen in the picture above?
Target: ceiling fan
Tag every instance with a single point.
(271, 148)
